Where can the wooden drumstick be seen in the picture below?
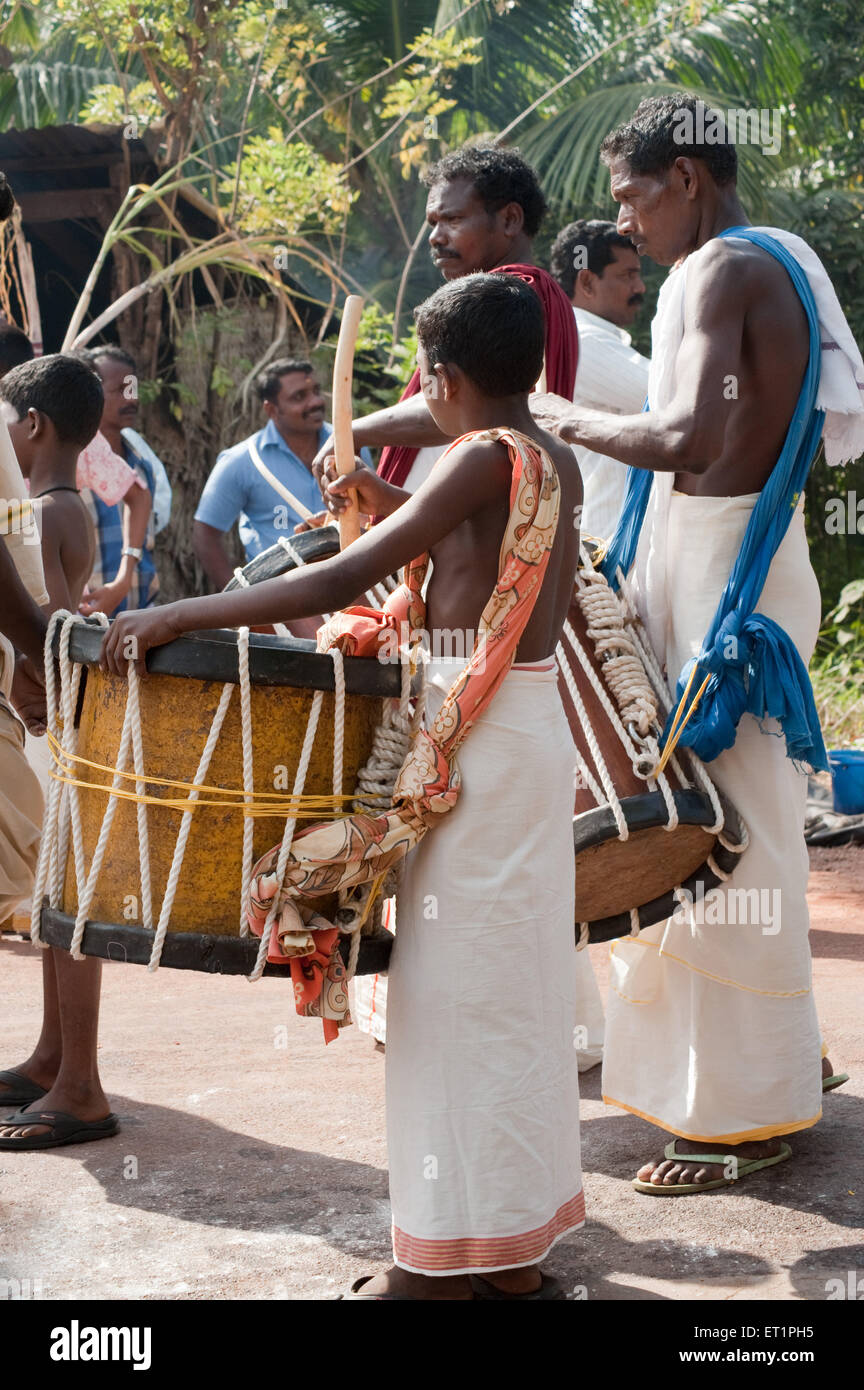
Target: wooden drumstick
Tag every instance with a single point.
(343, 442)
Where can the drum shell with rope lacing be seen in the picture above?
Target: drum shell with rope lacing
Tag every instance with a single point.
(178, 698)
(622, 884)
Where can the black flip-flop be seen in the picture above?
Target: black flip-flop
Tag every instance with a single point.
(549, 1289)
(364, 1279)
(64, 1129)
(27, 1091)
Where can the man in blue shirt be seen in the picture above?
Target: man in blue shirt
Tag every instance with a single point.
(260, 479)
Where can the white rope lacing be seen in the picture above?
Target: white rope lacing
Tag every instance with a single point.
(51, 866)
(291, 551)
(374, 788)
(288, 833)
(279, 628)
(248, 772)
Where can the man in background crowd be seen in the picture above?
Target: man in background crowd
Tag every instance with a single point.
(125, 571)
(265, 481)
(599, 272)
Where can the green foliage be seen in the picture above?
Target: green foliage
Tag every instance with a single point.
(287, 188)
(112, 105)
(837, 669)
(416, 97)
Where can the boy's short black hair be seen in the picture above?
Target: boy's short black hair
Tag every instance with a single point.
(15, 348)
(62, 387)
(500, 177)
(267, 382)
(654, 138)
(492, 326)
(598, 240)
(112, 352)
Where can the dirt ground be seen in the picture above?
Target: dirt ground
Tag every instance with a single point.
(251, 1162)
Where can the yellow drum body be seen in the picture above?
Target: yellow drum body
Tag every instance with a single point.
(176, 716)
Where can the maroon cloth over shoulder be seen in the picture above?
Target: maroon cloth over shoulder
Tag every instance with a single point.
(562, 353)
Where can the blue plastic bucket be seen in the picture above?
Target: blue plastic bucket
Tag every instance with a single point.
(847, 774)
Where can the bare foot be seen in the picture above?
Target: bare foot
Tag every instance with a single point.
(87, 1102)
(667, 1172)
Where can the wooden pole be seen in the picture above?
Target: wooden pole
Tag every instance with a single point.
(343, 442)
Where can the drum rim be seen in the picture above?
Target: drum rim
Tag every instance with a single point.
(215, 955)
(273, 661)
(648, 812)
(318, 544)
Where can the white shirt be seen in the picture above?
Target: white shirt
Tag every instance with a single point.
(611, 376)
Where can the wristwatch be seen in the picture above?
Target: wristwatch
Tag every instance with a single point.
(133, 551)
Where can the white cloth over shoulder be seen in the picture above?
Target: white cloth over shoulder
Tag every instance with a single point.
(481, 1071)
(612, 376)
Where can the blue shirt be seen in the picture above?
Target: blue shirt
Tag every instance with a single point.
(235, 489)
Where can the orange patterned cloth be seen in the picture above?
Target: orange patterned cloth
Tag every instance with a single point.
(356, 849)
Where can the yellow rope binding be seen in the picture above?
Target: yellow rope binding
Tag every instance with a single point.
(677, 729)
(265, 804)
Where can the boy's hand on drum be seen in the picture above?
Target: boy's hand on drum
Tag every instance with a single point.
(131, 635)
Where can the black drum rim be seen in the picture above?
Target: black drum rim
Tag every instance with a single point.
(212, 955)
(321, 543)
(648, 812)
(274, 661)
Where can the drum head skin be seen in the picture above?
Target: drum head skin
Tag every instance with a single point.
(614, 876)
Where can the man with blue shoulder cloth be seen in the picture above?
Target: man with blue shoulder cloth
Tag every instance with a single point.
(712, 1032)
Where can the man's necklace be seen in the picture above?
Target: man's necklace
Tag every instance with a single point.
(61, 487)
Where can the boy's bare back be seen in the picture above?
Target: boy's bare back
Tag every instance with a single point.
(466, 561)
(68, 547)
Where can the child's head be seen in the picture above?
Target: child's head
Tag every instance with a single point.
(52, 404)
(485, 333)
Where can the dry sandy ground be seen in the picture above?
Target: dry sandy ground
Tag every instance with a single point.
(251, 1170)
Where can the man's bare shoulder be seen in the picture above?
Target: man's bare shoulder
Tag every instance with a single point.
(724, 266)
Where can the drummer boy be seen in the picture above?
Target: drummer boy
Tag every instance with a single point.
(481, 1070)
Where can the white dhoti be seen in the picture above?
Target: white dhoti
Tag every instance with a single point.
(482, 1082)
(711, 1024)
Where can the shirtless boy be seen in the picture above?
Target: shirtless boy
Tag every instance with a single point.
(52, 407)
(482, 1087)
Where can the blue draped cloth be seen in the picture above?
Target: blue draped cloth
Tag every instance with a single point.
(754, 666)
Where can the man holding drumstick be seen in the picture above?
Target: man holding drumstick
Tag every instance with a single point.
(482, 1082)
(484, 208)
